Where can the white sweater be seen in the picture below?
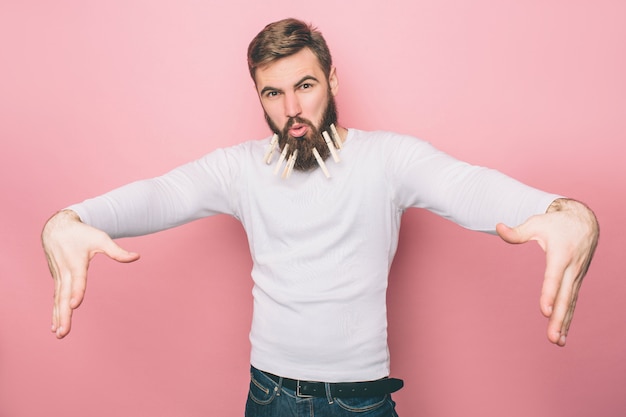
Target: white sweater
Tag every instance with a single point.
(321, 248)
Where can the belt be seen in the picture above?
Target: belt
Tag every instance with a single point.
(340, 389)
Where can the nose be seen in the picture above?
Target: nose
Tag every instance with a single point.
(292, 105)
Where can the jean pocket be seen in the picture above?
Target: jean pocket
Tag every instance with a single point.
(261, 392)
(362, 404)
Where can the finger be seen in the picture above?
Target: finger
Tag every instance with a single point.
(78, 287)
(572, 299)
(556, 332)
(552, 282)
(64, 310)
(563, 307)
(558, 325)
(57, 287)
(55, 310)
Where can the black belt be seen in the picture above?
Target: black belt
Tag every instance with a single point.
(340, 389)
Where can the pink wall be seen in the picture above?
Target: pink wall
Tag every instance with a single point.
(96, 94)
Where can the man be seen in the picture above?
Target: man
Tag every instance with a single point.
(322, 231)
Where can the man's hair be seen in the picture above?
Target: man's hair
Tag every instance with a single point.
(285, 38)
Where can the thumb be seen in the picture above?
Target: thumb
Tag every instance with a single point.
(117, 253)
(511, 234)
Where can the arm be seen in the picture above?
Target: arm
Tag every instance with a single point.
(568, 234)
(71, 238)
(69, 246)
(191, 191)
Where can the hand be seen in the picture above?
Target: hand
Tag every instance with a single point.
(70, 245)
(568, 234)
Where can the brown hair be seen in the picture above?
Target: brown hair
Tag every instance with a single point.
(284, 38)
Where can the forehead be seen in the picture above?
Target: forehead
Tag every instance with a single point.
(287, 71)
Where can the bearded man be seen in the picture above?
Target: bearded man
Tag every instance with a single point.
(321, 247)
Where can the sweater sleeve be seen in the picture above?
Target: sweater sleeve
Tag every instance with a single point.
(474, 197)
(198, 189)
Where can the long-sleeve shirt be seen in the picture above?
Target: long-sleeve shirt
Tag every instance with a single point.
(321, 248)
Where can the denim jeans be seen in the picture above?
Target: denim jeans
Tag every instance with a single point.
(267, 399)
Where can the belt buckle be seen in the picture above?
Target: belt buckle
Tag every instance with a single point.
(298, 393)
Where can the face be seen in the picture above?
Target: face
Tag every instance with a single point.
(298, 101)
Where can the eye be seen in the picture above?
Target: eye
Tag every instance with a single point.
(271, 94)
(306, 86)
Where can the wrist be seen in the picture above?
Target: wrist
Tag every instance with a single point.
(57, 220)
(579, 210)
(68, 215)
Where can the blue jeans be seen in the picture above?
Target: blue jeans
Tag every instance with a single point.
(266, 398)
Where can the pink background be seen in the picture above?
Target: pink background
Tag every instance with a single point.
(97, 94)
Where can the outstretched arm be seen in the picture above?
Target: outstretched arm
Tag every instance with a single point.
(69, 246)
(568, 234)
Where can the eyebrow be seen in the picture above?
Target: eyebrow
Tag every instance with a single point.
(300, 82)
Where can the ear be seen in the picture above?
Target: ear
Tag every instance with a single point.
(333, 81)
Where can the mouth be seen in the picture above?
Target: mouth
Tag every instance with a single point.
(298, 130)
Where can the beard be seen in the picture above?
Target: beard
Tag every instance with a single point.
(313, 139)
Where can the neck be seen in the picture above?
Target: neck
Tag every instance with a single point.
(343, 132)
